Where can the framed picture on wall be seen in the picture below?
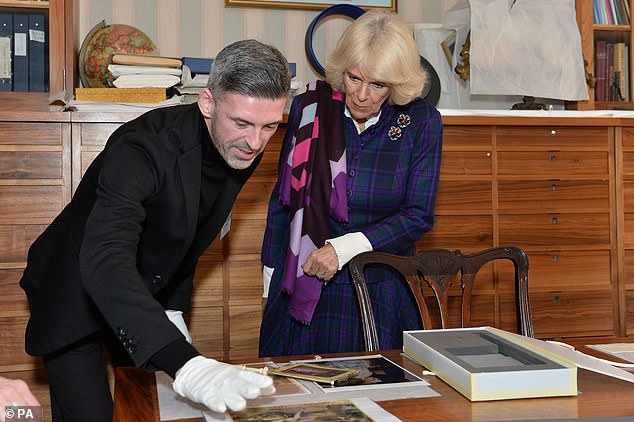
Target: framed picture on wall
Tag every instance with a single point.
(312, 5)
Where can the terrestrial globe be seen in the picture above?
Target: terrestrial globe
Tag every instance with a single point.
(100, 43)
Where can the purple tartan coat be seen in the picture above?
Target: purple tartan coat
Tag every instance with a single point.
(391, 190)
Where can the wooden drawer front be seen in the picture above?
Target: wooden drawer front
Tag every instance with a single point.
(553, 196)
(628, 163)
(466, 136)
(628, 231)
(553, 164)
(566, 270)
(628, 195)
(482, 311)
(205, 325)
(544, 136)
(253, 200)
(628, 137)
(213, 252)
(245, 237)
(16, 239)
(467, 233)
(246, 286)
(245, 330)
(628, 269)
(629, 314)
(12, 297)
(524, 230)
(465, 163)
(97, 133)
(30, 133)
(572, 313)
(31, 165)
(464, 196)
(208, 286)
(24, 202)
(87, 157)
(12, 352)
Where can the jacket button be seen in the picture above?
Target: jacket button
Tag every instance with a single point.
(157, 280)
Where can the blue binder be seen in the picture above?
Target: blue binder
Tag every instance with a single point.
(38, 43)
(6, 48)
(198, 64)
(20, 52)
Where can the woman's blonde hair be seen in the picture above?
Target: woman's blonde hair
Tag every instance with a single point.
(382, 45)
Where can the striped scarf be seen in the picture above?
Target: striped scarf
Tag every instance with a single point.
(314, 186)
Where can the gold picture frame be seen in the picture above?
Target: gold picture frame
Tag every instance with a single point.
(313, 372)
(312, 5)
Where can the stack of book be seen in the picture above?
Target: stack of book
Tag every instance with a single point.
(612, 69)
(144, 71)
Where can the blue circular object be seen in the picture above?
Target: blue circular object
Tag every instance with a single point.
(348, 10)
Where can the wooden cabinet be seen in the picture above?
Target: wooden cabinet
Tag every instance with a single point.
(61, 55)
(625, 180)
(555, 200)
(548, 188)
(590, 34)
(546, 185)
(35, 174)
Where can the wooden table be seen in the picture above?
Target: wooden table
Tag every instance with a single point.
(599, 396)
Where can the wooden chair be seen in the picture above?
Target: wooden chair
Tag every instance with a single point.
(438, 268)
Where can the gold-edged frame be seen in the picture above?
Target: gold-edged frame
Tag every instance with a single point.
(312, 5)
(314, 372)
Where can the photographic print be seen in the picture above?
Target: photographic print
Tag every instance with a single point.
(355, 410)
(373, 371)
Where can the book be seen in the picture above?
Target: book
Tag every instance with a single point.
(620, 74)
(145, 60)
(6, 37)
(600, 71)
(121, 95)
(38, 57)
(20, 52)
(146, 81)
(610, 73)
(198, 65)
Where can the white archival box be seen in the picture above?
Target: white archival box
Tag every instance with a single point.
(486, 363)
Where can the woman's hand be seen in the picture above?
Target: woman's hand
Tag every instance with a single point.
(322, 263)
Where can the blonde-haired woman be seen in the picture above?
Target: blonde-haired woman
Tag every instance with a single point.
(358, 171)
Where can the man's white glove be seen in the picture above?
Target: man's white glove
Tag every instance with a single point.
(177, 319)
(219, 385)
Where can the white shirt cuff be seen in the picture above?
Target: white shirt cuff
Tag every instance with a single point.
(267, 273)
(349, 245)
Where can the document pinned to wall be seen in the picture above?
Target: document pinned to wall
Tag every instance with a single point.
(526, 47)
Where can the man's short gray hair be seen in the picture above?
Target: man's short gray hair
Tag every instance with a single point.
(250, 68)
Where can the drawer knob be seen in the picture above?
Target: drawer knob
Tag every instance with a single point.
(553, 157)
(556, 299)
(555, 258)
(554, 187)
(554, 220)
(553, 132)
(488, 154)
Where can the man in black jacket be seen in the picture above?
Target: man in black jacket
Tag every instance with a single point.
(116, 266)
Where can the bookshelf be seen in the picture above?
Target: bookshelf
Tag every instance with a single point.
(593, 37)
(61, 57)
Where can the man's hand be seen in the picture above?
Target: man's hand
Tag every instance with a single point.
(219, 385)
(15, 392)
(322, 263)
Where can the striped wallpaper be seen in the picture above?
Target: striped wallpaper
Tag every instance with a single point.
(201, 28)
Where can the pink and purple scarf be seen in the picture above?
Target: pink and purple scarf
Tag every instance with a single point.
(314, 186)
